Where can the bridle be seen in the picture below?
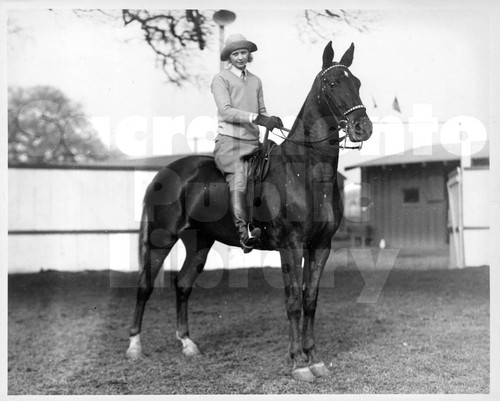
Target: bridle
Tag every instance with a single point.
(324, 82)
(342, 122)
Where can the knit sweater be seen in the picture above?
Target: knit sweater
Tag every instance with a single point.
(236, 100)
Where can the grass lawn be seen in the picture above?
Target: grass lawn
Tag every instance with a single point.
(427, 332)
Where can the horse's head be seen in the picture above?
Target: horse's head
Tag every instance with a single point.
(339, 90)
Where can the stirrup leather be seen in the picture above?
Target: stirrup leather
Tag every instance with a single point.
(253, 234)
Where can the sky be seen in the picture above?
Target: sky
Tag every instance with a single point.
(435, 61)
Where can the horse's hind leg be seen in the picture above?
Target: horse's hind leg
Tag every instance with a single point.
(197, 249)
(151, 261)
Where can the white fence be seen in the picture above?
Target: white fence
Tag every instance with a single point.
(87, 218)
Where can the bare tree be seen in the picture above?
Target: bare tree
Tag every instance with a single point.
(324, 24)
(44, 126)
(176, 36)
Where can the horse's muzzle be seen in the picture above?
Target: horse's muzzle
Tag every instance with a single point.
(361, 130)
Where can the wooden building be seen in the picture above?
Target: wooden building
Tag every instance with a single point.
(406, 196)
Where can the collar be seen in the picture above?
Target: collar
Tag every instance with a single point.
(237, 71)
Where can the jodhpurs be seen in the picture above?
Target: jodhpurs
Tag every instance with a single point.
(230, 158)
(237, 181)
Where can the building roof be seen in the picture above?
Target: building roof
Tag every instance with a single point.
(427, 154)
(145, 163)
(151, 162)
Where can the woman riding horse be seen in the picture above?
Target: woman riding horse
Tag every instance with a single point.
(240, 108)
(299, 212)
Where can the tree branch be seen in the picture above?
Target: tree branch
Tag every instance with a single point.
(174, 36)
(325, 23)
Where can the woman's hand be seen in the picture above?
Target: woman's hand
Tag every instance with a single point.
(270, 123)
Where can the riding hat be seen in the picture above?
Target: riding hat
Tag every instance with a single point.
(235, 42)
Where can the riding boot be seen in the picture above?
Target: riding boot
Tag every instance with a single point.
(238, 207)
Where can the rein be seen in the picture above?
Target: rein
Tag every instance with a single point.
(342, 122)
(311, 143)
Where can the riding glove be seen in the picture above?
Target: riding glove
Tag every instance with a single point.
(269, 122)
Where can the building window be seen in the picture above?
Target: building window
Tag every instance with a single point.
(411, 195)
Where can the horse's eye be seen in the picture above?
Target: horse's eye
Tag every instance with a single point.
(333, 84)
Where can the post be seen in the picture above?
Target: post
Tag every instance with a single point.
(465, 149)
(223, 18)
(221, 45)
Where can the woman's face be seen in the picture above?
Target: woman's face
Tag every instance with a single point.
(239, 58)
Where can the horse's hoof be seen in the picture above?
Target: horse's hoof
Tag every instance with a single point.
(134, 354)
(134, 350)
(303, 374)
(191, 351)
(189, 348)
(320, 370)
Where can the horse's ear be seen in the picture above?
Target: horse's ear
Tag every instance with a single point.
(328, 55)
(347, 57)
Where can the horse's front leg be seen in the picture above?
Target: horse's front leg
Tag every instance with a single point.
(291, 265)
(315, 260)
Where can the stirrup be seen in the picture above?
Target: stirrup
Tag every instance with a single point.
(248, 246)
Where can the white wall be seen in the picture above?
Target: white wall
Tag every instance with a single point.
(476, 197)
(476, 216)
(58, 199)
(61, 219)
(470, 206)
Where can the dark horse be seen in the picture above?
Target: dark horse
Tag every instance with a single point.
(299, 210)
